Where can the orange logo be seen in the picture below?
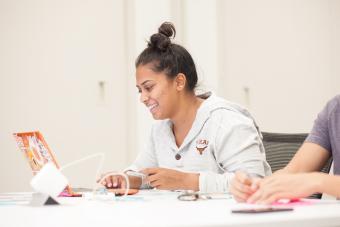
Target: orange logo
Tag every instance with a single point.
(201, 145)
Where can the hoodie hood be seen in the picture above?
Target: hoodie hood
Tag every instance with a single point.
(213, 103)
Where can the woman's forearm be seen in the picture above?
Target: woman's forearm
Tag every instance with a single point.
(135, 182)
(191, 181)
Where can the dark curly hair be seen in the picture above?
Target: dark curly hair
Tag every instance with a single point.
(168, 57)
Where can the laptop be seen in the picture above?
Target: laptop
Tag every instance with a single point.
(38, 153)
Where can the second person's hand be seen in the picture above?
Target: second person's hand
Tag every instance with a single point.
(243, 186)
(286, 186)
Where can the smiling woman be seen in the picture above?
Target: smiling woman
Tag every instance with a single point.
(199, 141)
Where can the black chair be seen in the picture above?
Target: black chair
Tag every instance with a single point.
(281, 147)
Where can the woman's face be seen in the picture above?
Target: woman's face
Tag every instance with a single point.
(157, 92)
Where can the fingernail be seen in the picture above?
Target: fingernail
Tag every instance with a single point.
(115, 184)
(109, 184)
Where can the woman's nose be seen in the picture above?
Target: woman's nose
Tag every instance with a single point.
(143, 97)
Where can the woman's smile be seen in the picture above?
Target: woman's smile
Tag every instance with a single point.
(153, 108)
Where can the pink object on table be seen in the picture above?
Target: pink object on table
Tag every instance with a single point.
(293, 202)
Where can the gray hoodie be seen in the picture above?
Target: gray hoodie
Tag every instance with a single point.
(224, 138)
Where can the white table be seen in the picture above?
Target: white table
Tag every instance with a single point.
(162, 209)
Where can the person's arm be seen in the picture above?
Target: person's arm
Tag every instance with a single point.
(298, 178)
(310, 157)
(329, 184)
(145, 159)
(296, 185)
(316, 150)
(293, 180)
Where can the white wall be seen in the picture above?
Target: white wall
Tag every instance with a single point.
(334, 8)
(200, 38)
(277, 57)
(281, 59)
(53, 56)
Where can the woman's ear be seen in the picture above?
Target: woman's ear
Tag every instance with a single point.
(180, 81)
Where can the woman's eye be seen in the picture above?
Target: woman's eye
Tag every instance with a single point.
(149, 88)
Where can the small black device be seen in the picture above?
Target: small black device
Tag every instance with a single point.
(261, 210)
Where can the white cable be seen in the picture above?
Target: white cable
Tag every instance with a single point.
(102, 155)
(100, 165)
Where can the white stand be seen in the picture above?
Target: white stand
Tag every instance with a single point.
(48, 183)
(40, 199)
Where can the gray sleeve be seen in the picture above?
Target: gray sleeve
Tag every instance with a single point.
(237, 148)
(320, 130)
(146, 158)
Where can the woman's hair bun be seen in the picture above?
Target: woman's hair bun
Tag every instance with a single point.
(167, 29)
(161, 40)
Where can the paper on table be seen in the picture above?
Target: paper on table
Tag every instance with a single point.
(15, 198)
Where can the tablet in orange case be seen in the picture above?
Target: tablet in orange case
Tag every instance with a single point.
(38, 153)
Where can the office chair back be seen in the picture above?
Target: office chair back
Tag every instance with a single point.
(280, 149)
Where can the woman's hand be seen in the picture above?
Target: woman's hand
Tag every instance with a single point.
(285, 186)
(170, 179)
(242, 186)
(118, 181)
(114, 181)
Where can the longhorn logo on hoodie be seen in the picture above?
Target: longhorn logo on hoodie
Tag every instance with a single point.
(201, 145)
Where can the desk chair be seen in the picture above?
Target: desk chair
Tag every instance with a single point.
(281, 147)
